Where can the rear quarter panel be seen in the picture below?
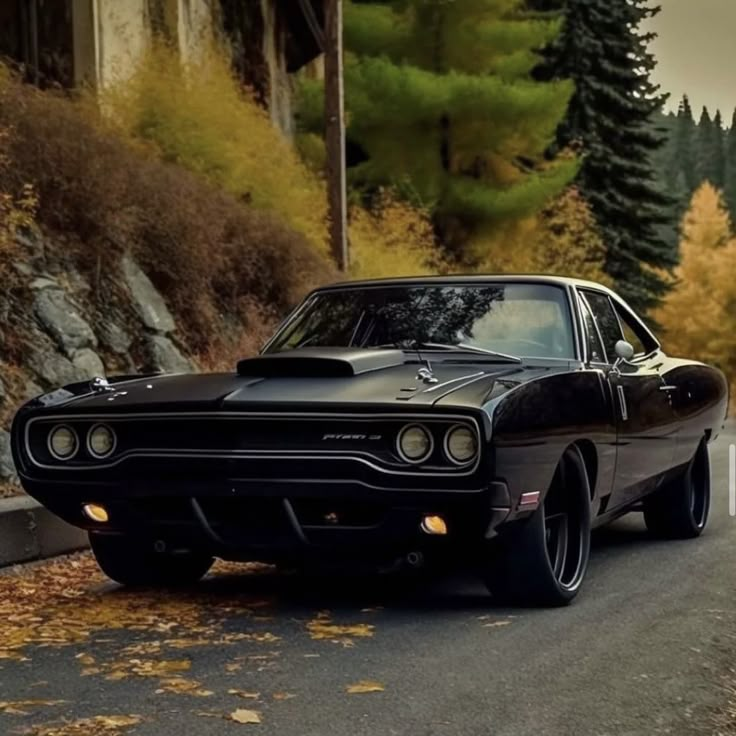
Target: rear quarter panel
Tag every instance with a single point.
(700, 403)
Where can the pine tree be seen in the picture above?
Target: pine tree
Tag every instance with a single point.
(709, 147)
(442, 105)
(682, 168)
(730, 155)
(610, 118)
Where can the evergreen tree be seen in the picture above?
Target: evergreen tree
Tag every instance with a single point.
(610, 118)
(730, 155)
(442, 105)
(681, 167)
(709, 149)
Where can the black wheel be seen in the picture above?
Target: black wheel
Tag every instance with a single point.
(131, 562)
(680, 509)
(542, 561)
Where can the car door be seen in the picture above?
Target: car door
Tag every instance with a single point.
(646, 425)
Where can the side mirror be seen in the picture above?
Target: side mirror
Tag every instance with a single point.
(624, 354)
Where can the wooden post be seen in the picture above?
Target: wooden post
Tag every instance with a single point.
(335, 133)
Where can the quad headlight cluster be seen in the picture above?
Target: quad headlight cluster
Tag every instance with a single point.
(64, 443)
(415, 444)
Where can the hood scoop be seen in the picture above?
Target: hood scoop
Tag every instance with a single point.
(320, 363)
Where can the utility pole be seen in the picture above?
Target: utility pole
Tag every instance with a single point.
(335, 133)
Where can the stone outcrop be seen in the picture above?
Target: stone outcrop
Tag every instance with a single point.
(69, 338)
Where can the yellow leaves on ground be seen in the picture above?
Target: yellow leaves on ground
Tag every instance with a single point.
(21, 707)
(365, 686)
(145, 668)
(96, 726)
(242, 715)
(63, 603)
(322, 627)
(182, 686)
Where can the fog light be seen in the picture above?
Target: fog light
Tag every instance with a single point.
(96, 513)
(434, 525)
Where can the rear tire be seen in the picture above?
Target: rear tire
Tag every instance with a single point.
(680, 509)
(129, 562)
(542, 560)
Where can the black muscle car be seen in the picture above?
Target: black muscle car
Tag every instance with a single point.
(495, 420)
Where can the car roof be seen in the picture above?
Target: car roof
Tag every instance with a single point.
(471, 279)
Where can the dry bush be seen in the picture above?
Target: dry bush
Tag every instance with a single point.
(199, 116)
(393, 238)
(211, 255)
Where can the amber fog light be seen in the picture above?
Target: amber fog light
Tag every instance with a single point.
(461, 445)
(96, 513)
(101, 441)
(415, 444)
(434, 526)
(63, 442)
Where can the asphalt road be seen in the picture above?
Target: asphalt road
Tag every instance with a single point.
(646, 649)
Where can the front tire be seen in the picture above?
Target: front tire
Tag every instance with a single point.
(542, 560)
(132, 563)
(680, 509)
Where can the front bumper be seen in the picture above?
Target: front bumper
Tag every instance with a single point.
(277, 519)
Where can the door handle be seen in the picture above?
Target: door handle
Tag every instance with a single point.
(668, 388)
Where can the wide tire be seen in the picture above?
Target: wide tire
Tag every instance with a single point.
(133, 563)
(542, 560)
(680, 509)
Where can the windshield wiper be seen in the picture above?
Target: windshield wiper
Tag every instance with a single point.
(465, 348)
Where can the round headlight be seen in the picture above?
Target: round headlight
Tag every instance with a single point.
(63, 442)
(461, 445)
(415, 443)
(101, 441)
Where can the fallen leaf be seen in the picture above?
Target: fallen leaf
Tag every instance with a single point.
(96, 726)
(20, 707)
(283, 696)
(365, 686)
(241, 715)
(244, 694)
(182, 686)
(322, 627)
(495, 624)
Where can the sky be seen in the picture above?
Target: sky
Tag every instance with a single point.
(696, 51)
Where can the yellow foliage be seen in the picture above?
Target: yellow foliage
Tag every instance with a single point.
(200, 116)
(562, 240)
(392, 239)
(698, 317)
(17, 210)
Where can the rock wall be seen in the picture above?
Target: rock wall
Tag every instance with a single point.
(69, 336)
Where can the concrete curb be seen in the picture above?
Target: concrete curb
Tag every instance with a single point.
(30, 532)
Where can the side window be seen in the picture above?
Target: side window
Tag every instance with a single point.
(634, 334)
(607, 322)
(595, 347)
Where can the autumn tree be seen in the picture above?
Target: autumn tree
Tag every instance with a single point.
(442, 106)
(602, 49)
(562, 239)
(699, 315)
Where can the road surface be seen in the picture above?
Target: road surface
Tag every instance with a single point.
(646, 649)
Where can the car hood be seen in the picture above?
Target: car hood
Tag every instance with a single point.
(334, 380)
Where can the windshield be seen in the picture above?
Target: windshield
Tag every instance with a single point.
(530, 320)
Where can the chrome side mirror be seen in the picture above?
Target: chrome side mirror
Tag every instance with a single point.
(624, 354)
